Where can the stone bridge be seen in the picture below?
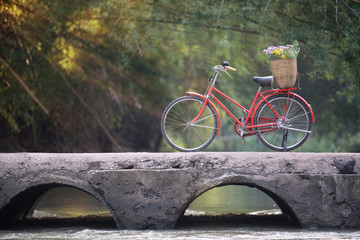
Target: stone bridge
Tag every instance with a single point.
(152, 190)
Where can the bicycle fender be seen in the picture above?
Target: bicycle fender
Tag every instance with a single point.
(213, 105)
(296, 95)
(308, 105)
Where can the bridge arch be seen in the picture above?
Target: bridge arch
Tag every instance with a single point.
(153, 190)
(248, 181)
(22, 202)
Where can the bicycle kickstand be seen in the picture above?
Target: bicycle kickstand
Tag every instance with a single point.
(284, 142)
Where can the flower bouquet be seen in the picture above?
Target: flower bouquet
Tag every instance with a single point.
(284, 64)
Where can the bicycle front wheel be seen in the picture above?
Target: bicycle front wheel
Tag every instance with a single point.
(292, 128)
(176, 127)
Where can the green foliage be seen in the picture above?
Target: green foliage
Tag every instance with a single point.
(106, 69)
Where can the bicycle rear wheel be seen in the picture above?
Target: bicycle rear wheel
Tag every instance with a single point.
(176, 127)
(292, 128)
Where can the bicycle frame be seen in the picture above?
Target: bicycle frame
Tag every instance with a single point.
(248, 122)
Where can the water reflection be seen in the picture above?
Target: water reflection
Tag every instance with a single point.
(65, 202)
(68, 202)
(233, 199)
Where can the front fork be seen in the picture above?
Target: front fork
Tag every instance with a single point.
(205, 100)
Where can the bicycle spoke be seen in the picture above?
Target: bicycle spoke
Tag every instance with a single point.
(289, 108)
(293, 127)
(304, 114)
(200, 126)
(177, 131)
(203, 136)
(296, 129)
(202, 119)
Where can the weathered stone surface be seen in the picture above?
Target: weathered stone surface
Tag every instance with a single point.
(145, 198)
(152, 190)
(345, 165)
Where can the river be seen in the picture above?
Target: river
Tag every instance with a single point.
(193, 233)
(263, 219)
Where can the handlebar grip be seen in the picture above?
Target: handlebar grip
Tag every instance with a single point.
(231, 68)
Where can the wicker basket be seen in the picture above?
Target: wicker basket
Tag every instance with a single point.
(284, 72)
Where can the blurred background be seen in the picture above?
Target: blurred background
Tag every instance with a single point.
(95, 76)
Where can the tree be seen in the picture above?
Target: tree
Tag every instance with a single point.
(96, 75)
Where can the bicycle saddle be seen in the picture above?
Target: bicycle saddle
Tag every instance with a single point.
(264, 81)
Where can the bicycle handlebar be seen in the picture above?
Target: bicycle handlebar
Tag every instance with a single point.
(231, 68)
(223, 68)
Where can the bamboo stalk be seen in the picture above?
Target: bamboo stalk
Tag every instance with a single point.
(23, 84)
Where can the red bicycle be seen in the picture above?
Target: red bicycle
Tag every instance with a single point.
(281, 118)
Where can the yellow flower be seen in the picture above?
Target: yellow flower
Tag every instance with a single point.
(283, 56)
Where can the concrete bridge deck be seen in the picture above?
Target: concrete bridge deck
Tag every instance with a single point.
(152, 190)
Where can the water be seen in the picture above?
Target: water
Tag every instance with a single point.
(233, 199)
(67, 202)
(64, 202)
(219, 233)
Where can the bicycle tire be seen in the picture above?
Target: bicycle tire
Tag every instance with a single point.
(288, 135)
(176, 129)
